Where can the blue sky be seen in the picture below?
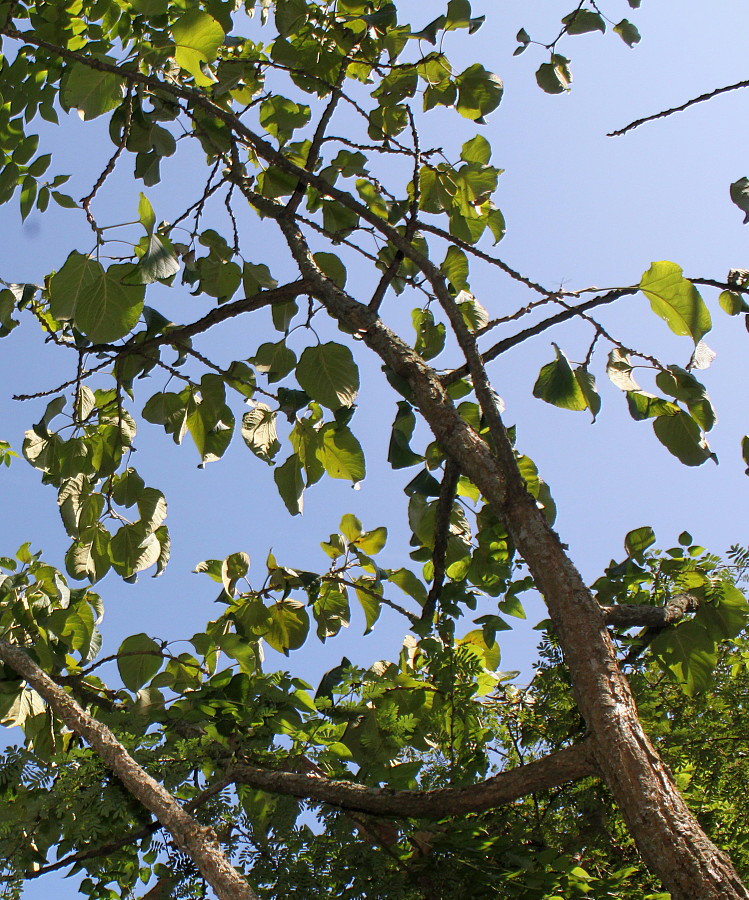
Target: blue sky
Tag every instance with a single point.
(581, 209)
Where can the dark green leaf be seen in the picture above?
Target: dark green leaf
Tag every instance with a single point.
(329, 375)
(627, 32)
(557, 384)
(681, 435)
(138, 660)
(582, 21)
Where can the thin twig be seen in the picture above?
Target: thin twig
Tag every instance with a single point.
(675, 109)
(493, 260)
(109, 168)
(569, 313)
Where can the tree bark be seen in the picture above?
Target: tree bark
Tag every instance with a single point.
(197, 841)
(562, 767)
(669, 838)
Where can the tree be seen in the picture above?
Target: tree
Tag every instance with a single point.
(202, 767)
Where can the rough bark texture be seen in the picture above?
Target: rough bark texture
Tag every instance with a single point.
(624, 616)
(552, 771)
(669, 838)
(194, 839)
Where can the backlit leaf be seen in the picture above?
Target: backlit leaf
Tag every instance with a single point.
(197, 38)
(676, 300)
(328, 373)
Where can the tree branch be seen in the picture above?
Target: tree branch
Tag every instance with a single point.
(675, 109)
(570, 764)
(214, 317)
(570, 313)
(194, 839)
(632, 616)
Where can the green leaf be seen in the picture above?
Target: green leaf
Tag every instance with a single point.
(409, 584)
(474, 314)
(90, 91)
(211, 422)
(280, 117)
(740, 196)
(637, 542)
(582, 21)
(146, 215)
(676, 300)
(89, 556)
(557, 384)
(688, 654)
(259, 432)
(100, 303)
(731, 302)
(133, 549)
(138, 660)
(587, 384)
(170, 410)
(628, 32)
(331, 609)
(197, 38)
(400, 454)
(371, 542)
(479, 92)
(256, 278)
(490, 655)
(341, 454)
(234, 568)
(554, 77)
(331, 266)
(430, 335)
(158, 263)
(477, 150)
(647, 406)
(288, 626)
(350, 527)
(218, 278)
(274, 360)
(455, 268)
(290, 484)
(682, 436)
(290, 16)
(329, 375)
(367, 591)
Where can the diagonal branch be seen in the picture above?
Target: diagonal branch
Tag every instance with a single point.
(127, 839)
(570, 313)
(214, 317)
(194, 839)
(676, 109)
(561, 767)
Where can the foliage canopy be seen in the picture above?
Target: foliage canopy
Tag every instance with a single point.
(434, 774)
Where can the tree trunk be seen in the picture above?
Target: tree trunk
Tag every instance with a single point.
(668, 836)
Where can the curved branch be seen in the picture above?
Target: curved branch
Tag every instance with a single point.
(561, 767)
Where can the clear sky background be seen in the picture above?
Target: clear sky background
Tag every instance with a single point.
(581, 209)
